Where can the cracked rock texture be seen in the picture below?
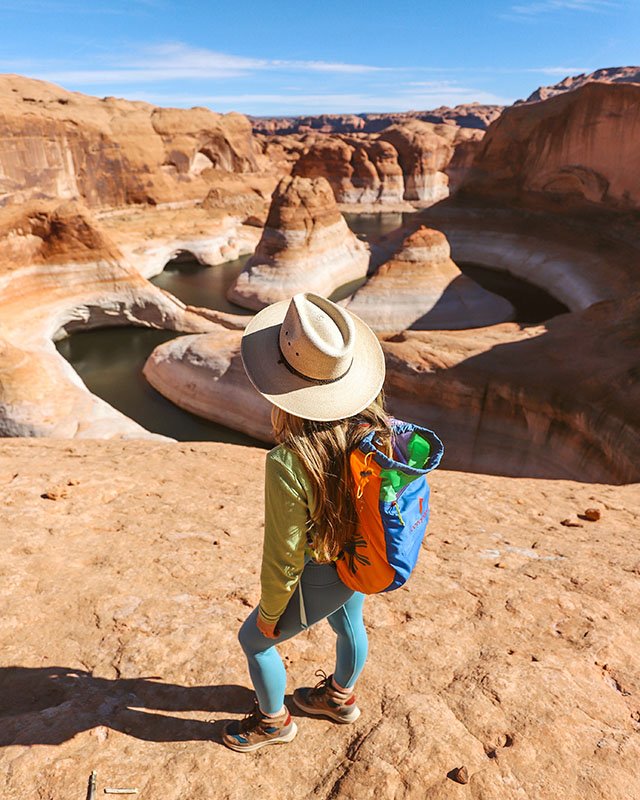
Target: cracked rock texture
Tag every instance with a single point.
(512, 651)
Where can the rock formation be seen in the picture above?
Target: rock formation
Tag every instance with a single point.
(468, 115)
(203, 374)
(560, 400)
(359, 170)
(60, 271)
(407, 162)
(507, 400)
(151, 237)
(518, 637)
(562, 154)
(421, 288)
(575, 260)
(143, 171)
(111, 152)
(411, 164)
(424, 150)
(62, 268)
(607, 75)
(306, 246)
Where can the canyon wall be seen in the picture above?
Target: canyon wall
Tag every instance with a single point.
(572, 151)
(408, 162)
(477, 116)
(572, 82)
(112, 152)
(541, 167)
(560, 400)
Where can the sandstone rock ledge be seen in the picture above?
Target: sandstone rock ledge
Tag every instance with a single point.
(511, 401)
(512, 651)
(203, 374)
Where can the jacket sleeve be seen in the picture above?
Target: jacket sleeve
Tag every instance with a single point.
(285, 535)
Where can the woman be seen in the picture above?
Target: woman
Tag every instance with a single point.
(322, 368)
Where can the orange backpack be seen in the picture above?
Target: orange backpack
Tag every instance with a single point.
(392, 501)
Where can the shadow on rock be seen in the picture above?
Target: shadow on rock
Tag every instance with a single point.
(50, 705)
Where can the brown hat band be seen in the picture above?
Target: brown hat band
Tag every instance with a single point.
(283, 360)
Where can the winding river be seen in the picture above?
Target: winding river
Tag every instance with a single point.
(110, 360)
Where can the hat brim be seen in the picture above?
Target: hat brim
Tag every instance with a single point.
(339, 399)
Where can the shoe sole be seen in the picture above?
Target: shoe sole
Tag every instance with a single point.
(239, 748)
(321, 712)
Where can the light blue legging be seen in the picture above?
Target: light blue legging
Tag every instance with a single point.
(324, 596)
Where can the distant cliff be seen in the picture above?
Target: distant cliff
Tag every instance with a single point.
(111, 152)
(607, 75)
(576, 148)
(469, 115)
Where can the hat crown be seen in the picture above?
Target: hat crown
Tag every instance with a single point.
(317, 338)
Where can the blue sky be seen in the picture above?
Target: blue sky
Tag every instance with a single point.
(309, 57)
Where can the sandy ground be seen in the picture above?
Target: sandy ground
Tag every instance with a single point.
(128, 567)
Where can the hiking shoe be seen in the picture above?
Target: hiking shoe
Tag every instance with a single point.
(327, 701)
(256, 730)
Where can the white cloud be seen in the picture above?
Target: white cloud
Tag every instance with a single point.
(178, 61)
(336, 103)
(534, 9)
(563, 72)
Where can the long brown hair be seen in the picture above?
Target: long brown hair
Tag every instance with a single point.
(324, 449)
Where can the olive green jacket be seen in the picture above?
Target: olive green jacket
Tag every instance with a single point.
(289, 503)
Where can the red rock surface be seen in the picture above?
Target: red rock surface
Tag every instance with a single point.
(468, 115)
(306, 245)
(421, 288)
(128, 566)
(575, 149)
(607, 75)
(112, 152)
(359, 171)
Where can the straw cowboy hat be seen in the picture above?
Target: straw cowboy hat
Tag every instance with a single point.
(313, 358)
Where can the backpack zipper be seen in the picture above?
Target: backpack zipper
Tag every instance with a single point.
(395, 503)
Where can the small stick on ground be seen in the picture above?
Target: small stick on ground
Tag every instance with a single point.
(91, 791)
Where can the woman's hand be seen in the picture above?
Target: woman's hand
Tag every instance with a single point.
(267, 629)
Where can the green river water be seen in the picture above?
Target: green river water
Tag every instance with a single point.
(110, 360)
